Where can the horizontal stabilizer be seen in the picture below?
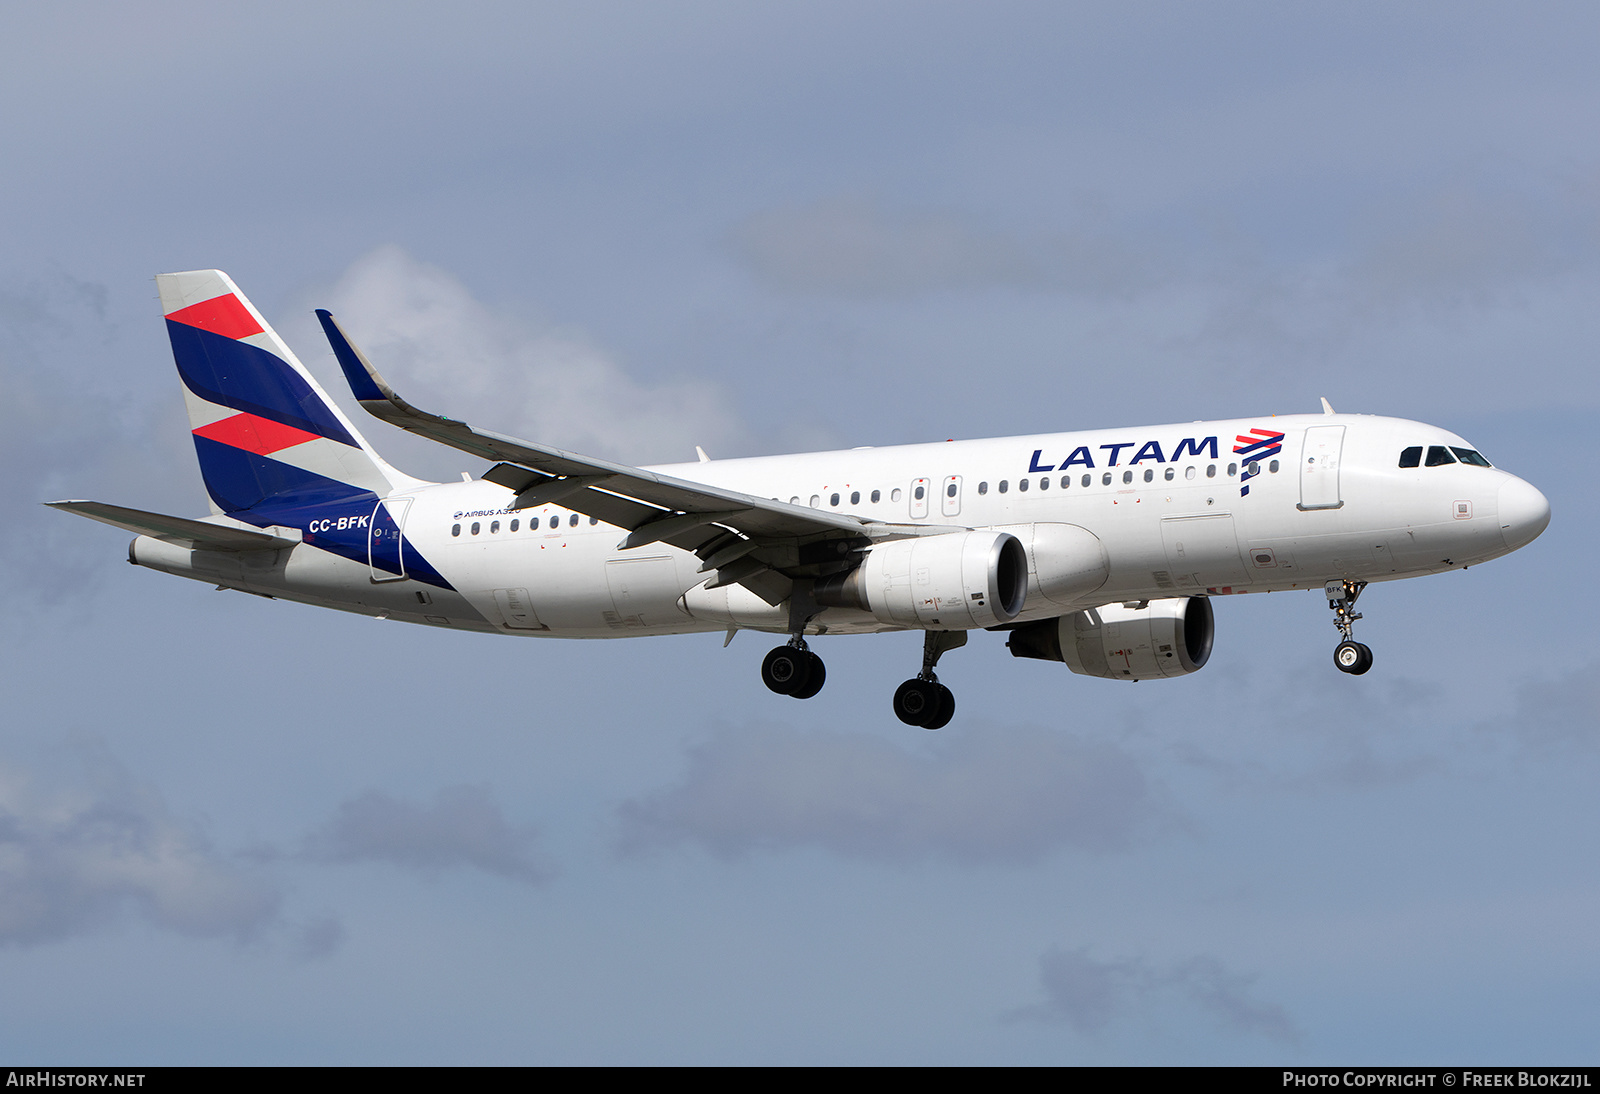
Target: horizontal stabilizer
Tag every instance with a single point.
(197, 535)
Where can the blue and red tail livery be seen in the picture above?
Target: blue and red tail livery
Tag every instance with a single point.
(267, 436)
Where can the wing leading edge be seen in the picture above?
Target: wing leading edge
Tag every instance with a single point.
(760, 543)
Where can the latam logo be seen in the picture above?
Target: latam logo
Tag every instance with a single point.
(1149, 450)
(1253, 447)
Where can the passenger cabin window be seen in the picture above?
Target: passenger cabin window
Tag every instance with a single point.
(983, 488)
(1149, 475)
(494, 526)
(855, 497)
(1044, 482)
(1087, 479)
(594, 520)
(1066, 481)
(1022, 485)
(455, 529)
(833, 499)
(572, 521)
(1211, 470)
(919, 493)
(950, 491)
(555, 522)
(1127, 477)
(1411, 457)
(1004, 486)
(1105, 480)
(894, 495)
(475, 527)
(515, 524)
(1233, 469)
(1188, 472)
(1273, 467)
(876, 494)
(1467, 455)
(1439, 455)
(1169, 473)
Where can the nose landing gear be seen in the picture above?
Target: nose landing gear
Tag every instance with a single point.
(1349, 655)
(793, 670)
(924, 701)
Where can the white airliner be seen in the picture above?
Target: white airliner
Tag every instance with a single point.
(1099, 549)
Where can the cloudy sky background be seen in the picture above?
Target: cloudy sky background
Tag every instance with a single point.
(233, 830)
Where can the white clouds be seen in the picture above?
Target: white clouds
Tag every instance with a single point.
(1090, 994)
(463, 827)
(1002, 795)
(449, 353)
(72, 861)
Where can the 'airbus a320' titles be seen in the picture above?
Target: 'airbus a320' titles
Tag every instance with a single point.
(1101, 549)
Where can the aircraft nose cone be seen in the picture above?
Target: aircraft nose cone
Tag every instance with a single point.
(1524, 513)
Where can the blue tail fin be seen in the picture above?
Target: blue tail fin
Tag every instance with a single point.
(267, 436)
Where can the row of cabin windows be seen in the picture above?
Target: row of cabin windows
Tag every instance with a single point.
(1254, 468)
(1023, 485)
(1439, 455)
(516, 524)
(855, 498)
(1107, 477)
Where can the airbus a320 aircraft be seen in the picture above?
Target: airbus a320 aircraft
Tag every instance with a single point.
(1101, 550)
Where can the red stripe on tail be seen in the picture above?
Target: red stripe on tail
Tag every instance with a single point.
(223, 315)
(259, 435)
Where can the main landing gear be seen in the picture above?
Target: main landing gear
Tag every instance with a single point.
(793, 670)
(924, 701)
(1349, 655)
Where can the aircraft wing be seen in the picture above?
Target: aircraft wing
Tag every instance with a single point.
(197, 535)
(766, 534)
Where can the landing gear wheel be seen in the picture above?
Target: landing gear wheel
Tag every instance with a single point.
(945, 711)
(817, 674)
(787, 669)
(917, 701)
(1352, 657)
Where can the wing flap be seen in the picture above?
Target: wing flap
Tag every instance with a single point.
(197, 535)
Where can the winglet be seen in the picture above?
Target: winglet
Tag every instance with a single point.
(371, 390)
(1327, 407)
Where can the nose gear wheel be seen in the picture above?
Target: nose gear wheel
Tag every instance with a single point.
(1349, 655)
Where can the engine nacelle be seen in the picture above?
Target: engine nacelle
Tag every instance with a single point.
(956, 581)
(1164, 638)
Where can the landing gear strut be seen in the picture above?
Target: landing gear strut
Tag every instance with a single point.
(924, 701)
(1349, 655)
(793, 670)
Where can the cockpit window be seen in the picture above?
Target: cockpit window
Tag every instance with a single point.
(1438, 455)
(1411, 457)
(1467, 455)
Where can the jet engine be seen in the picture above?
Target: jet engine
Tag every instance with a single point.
(1162, 638)
(955, 581)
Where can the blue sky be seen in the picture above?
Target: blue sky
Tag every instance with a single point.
(233, 830)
